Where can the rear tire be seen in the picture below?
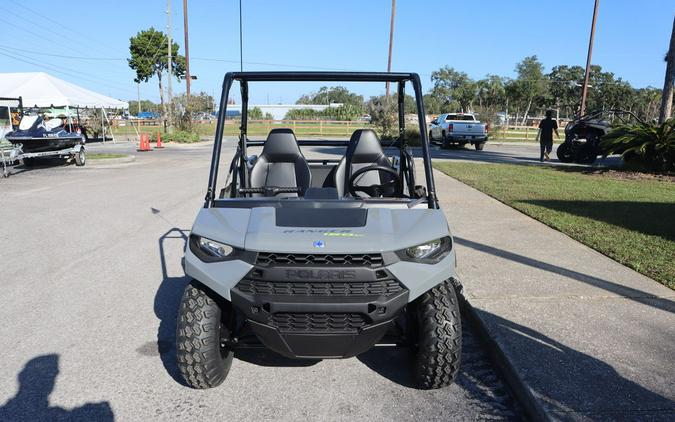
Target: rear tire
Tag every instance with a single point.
(479, 146)
(80, 158)
(201, 328)
(586, 155)
(438, 345)
(565, 153)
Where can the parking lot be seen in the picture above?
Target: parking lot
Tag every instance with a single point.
(91, 284)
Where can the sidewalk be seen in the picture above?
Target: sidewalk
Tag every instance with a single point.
(579, 335)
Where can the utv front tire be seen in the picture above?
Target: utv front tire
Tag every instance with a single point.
(438, 346)
(202, 360)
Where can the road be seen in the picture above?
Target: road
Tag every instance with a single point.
(90, 263)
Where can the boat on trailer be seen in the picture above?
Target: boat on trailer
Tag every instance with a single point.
(35, 134)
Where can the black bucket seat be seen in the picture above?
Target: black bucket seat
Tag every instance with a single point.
(364, 150)
(281, 164)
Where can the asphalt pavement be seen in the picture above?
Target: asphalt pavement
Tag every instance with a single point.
(91, 277)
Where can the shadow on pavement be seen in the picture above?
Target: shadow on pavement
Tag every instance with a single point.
(637, 216)
(266, 357)
(625, 291)
(567, 381)
(31, 402)
(477, 377)
(167, 300)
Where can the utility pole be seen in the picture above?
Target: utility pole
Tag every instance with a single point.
(584, 90)
(391, 38)
(667, 95)
(187, 50)
(170, 65)
(241, 42)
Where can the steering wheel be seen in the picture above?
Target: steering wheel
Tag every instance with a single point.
(375, 190)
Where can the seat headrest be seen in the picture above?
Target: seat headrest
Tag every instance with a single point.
(364, 147)
(281, 146)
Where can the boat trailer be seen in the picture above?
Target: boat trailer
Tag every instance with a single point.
(13, 155)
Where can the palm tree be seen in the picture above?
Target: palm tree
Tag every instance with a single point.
(650, 144)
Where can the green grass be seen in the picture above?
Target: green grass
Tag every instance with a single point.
(104, 156)
(631, 221)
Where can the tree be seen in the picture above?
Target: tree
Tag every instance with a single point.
(530, 84)
(255, 113)
(335, 94)
(454, 89)
(647, 103)
(432, 104)
(565, 87)
(200, 103)
(669, 81)
(149, 51)
(383, 115)
(491, 95)
(146, 105)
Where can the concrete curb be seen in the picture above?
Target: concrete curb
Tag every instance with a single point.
(533, 408)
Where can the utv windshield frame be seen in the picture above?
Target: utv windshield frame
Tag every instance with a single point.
(239, 169)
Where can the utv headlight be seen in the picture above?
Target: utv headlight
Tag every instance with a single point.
(429, 252)
(217, 249)
(209, 250)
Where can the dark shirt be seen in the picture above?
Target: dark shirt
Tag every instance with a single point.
(547, 125)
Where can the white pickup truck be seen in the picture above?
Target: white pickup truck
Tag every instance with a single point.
(459, 129)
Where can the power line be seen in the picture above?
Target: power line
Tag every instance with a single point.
(210, 59)
(27, 54)
(70, 29)
(65, 56)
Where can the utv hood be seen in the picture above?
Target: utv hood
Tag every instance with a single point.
(321, 230)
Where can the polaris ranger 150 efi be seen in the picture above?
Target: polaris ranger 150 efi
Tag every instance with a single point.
(320, 258)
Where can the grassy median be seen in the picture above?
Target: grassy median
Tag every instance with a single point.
(104, 156)
(628, 217)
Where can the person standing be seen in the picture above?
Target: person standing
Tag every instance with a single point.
(545, 135)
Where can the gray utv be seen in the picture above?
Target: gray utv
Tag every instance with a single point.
(320, 258)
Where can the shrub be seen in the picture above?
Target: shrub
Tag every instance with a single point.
(412, 137)
(646, 144)
(383, 116)
(181, 136)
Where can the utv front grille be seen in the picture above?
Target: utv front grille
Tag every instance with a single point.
(317, 322)
(318, 288)
(266, 259)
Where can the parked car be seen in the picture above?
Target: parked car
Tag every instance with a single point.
(203, 116)
(147, 115)
(458, 129)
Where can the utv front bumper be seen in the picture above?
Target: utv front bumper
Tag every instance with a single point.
(319, 306)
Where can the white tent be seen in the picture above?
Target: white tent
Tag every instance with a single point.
(38, 89)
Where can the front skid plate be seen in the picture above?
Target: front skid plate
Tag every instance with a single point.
(374, 313)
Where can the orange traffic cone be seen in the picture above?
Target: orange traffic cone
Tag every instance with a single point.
(144, 143)
(159, 141)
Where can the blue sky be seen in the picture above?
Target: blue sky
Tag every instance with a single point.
(477, 37)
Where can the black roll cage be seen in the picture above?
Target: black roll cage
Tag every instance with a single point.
(245, 77)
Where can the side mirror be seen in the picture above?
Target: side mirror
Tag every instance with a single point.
(434, 122)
